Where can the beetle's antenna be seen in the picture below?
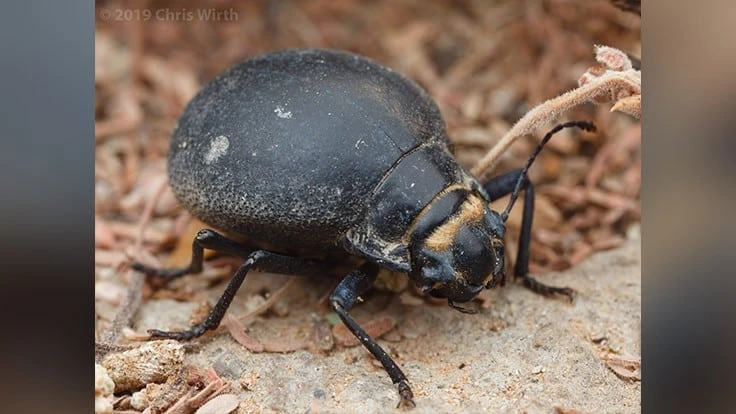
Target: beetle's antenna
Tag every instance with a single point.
(584, 125)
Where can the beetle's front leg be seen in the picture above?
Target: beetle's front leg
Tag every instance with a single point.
(499, 187)
(342, 300)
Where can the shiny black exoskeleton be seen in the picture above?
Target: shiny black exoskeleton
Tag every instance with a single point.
(305, 156)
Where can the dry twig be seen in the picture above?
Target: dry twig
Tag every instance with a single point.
(133, 296)
(616, 81)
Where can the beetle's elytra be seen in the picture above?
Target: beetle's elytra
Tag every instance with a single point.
(307, 156)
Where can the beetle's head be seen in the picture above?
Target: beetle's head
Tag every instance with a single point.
(456, 244)
(457, 247)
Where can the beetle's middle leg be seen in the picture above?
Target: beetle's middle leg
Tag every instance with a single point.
(501, 186)
(342, 300)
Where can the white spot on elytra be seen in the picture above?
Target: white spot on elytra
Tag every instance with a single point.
(281, 113)
(218, 148)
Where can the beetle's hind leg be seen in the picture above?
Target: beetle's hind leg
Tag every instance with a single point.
(259, 259)
(205, 239)
(499, 187)
(342, 300)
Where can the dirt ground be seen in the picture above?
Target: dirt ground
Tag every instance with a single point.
(486, 64)
(524, 353)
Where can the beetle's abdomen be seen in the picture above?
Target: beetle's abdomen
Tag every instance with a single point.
(286, 148)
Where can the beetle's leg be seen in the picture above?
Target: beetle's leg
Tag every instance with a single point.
(499, 187)
(205, 239)
(342, 300)
(259, 259)
(210, 239)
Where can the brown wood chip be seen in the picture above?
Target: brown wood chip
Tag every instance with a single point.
(237, 331)
(375, 329)
(222, 404)
(626, 368)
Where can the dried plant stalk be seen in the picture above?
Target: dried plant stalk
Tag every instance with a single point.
(616, 81)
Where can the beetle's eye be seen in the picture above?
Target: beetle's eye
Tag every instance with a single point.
(498, 255)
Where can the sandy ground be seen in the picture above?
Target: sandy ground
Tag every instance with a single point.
(523, 353)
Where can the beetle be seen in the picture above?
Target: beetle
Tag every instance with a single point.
(307, 156)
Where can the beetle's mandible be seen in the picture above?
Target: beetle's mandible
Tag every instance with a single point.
(306, 156)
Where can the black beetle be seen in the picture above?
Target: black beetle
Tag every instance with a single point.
(307, 156)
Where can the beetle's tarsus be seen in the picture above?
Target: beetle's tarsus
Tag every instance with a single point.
(546, 290)
(406, 400)
(179, 336)
(469, 311)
